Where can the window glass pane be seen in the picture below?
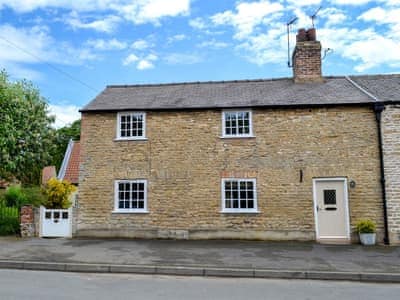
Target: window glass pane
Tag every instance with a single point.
(246, 130)
(235, 204)
(141, 204)
(123, 119)
(242, 203)
(126, 204)
(134, 204)
(121, 195)
(141, 195)
(134, 195)
(235, 194)
(139, 133)
(250, 194)
(128, 119)
(228, 204)
(240, 130)
(234, 185)
(121, 204)
(228, 195)
(228, 185)
(242, 194)
(250, 203)
(249, 185)
(141, 186)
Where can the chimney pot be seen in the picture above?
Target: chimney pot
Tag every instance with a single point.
(311, 34)
(301, 35)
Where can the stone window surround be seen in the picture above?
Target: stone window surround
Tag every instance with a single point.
(239, 210)
(116, 197)
(125, 113)
(237, 135)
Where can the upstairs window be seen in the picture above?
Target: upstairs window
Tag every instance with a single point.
(237, 124)
(239, 195)
(131, 126)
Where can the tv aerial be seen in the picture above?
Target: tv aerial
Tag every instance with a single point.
(314, 16)
(288, 24)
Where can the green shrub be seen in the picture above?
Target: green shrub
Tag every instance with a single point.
(9, 225)
(58, 193)
(14, 196)
(34, 196)
(366, 226)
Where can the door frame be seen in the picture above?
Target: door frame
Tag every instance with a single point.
(346, 207)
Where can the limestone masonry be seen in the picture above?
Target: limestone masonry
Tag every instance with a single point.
(184, 159)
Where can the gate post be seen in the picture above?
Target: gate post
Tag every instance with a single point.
(27, 225)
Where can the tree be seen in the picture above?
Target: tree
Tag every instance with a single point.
(63, 135)
(26, 135)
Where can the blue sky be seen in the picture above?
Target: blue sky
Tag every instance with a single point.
(72, 49)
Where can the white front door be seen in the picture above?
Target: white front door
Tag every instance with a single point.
(331, 210)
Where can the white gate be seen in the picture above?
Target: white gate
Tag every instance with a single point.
(55, 222)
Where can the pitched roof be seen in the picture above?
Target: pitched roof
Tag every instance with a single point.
(384, 87)
(70, 166)
(241, 93)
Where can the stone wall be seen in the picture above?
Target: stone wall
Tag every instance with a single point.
(391, 150)
(27, 221)
(185, 158)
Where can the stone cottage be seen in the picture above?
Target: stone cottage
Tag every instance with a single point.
(300, 158)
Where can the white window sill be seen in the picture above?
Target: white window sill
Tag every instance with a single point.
(130, 212)
(130, 139)
(237, 136)
(239, 211)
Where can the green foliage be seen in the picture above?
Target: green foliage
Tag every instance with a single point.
(9, 220)
(34, 196)
(63, 135)
(58, 193)
(17, 196)
(26, 135)
(14, 196)
(366, 226)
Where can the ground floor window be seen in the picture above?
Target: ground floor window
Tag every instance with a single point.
(130, 196)
(239, 195)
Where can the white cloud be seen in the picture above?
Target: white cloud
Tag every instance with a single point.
(144, 65)
(151, 11)
(332, 16)
(64, 114)
(20, 48)
(131, 58)
(248, 15)
(382, 16)
(136, 11)
(304, 2)
(112, 44)
(213, 44)
(198, 23)
(182, 59)
(176, 37)
(140, 45)
(351, 2)
(107, 24)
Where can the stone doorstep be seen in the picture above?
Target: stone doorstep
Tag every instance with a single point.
(201, 271)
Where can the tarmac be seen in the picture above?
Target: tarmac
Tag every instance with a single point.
(225, 258)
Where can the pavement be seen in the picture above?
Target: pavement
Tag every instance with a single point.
(225, 258)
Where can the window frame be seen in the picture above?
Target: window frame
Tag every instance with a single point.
(125, 113)
(237, 135)
(239, 210)
(116, 197)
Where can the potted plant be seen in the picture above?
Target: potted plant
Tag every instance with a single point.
(367, 232)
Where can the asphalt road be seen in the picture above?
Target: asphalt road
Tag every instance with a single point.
(20, 284)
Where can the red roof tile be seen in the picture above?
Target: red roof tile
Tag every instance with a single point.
(72, 170)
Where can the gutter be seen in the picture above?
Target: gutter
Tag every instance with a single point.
(379, 106)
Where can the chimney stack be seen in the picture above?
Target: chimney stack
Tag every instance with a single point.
(307, 57)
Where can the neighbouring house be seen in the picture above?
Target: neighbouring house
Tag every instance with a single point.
(69, 169)
(300, 158)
